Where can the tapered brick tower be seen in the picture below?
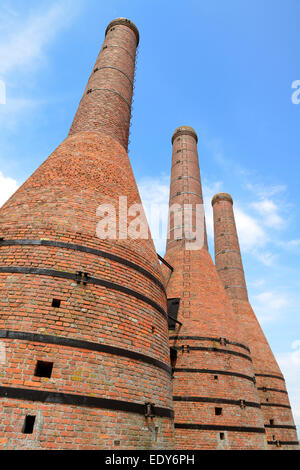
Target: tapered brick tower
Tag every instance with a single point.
(83, 319)
(215, 400)
(278, 419)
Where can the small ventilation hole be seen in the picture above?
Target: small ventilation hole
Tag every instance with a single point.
(156, 429)
(216, 377)
(43, 369)
(56, 303)
(28, 424)
(218, 411)
(222, 436)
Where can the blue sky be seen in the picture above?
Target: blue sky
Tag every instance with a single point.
(224, 68)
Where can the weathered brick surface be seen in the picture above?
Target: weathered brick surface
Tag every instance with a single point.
(58, 203)
(216, 371)
(107, 108)
(79, 428)
(230, 268)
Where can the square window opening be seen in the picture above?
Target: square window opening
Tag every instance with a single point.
(56, 303)
(43, 369)
(218, 411)
(28, 424)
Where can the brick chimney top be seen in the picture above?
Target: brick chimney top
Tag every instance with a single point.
(183, 130)
(221, 197)
(124, 22)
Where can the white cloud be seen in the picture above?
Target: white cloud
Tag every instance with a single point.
(13, 113)
(296, 344)
(251, 235)
(265, 257)
(268, 210)
(23, 41)
(154, 193)
(257, 283)
(293, 243)
(290, 245)
(209, 190)
(265, 191)
(289, 363)
(7, 187)
(270, 306)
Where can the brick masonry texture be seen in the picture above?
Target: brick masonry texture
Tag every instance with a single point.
(207, 372)
(274, 399)
(58, 203)
(94, 311)
(106, 102)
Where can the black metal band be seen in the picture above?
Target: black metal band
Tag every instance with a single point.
(80, 400)
(183, 161)
(229, 267)
(186, 192)
(270, 375)
(216, 400)
(240, 287)
(230, 217)
(208, 338)
(184, 132)
(165, 262)
(114, 68)
(184, 177)
(123, 22)
(222, 252)
(286, 443)
(279, 426)
(89, 280)
(272, 390)
(85, 249)
(215, 427)
(219, 372)
(224, 351)
(221, 234)
(186, 227)
(279, 405)
(74, 343)
(120, 47)
(90, 90)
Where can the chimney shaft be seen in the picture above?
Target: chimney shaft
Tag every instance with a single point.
(85, 311)
(213, 371)
(106, 103)
(275, 405)
(227, 249)
(185, 190)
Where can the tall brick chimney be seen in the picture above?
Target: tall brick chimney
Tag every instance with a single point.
(275, 405)
(84, 319)
(215, 400)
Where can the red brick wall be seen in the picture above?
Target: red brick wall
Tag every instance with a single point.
(58, 204)
(275, 403)
(107, 108)
(207, 377)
